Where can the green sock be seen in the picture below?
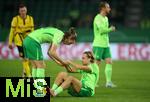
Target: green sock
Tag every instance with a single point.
(108, 72)
(58, 90)
(40, 73)
(33, 72)
(54, 87)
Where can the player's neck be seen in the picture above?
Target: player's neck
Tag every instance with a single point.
(103, 13)
(23, 17)
(85, 64)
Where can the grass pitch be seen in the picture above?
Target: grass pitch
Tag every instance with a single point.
(131, 77)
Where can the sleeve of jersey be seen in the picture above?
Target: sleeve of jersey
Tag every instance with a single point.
(101, 27)
(90, 66)
(32, 24)
(12, 30)
(57, 39)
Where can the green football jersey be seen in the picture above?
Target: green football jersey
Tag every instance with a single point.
(47, 35)
(101, 30)
(90, 79)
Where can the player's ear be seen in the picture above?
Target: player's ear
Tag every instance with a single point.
(90, 60)
(91, 57)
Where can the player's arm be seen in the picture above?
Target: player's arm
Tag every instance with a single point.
(52, 54)
(102, 28)
(12, 31)
(32, 24)
(81, 67)
(30, 27)
(72, 70)
(54, 59)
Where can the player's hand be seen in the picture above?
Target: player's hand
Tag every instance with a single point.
(73, 70)
(10, 46)
(113, 28)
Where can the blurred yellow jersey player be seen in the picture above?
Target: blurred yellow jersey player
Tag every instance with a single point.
(21, 26)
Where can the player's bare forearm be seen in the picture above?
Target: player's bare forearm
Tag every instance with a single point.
(52, 53)
(53, 57)
(56, 61)
(73, 70)
(56, 58)
(68, 68)
(73, 64)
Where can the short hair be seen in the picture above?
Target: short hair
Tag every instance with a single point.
(102, 4)
(21, 6)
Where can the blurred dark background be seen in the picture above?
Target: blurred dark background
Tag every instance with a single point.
(131, 17)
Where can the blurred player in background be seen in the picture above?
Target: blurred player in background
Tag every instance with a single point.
(101, 47)
(79, 88)
(21, 26)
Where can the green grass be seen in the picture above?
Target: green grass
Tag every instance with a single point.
(131, 77)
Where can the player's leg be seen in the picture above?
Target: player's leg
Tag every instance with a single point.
(26, 67)
(98, 55)
(76, 84)
(33, 69)
(98, 52)
(20, 55)
(70, 81)
(35, 55)
(108, 68)
(39, 81)
(40, 68)
(25, 62)
(61, 77)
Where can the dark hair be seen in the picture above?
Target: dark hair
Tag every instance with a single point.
(90, 55)
(21, 6)
(71, 32)
(102, 4)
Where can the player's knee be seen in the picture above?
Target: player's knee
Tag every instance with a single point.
(44, 65)
(70, 78)
(34, 66)
(108, 61)
(41, 65)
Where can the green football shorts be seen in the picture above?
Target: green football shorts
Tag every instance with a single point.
(84, 92)
(101, 53)
(32, 49)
